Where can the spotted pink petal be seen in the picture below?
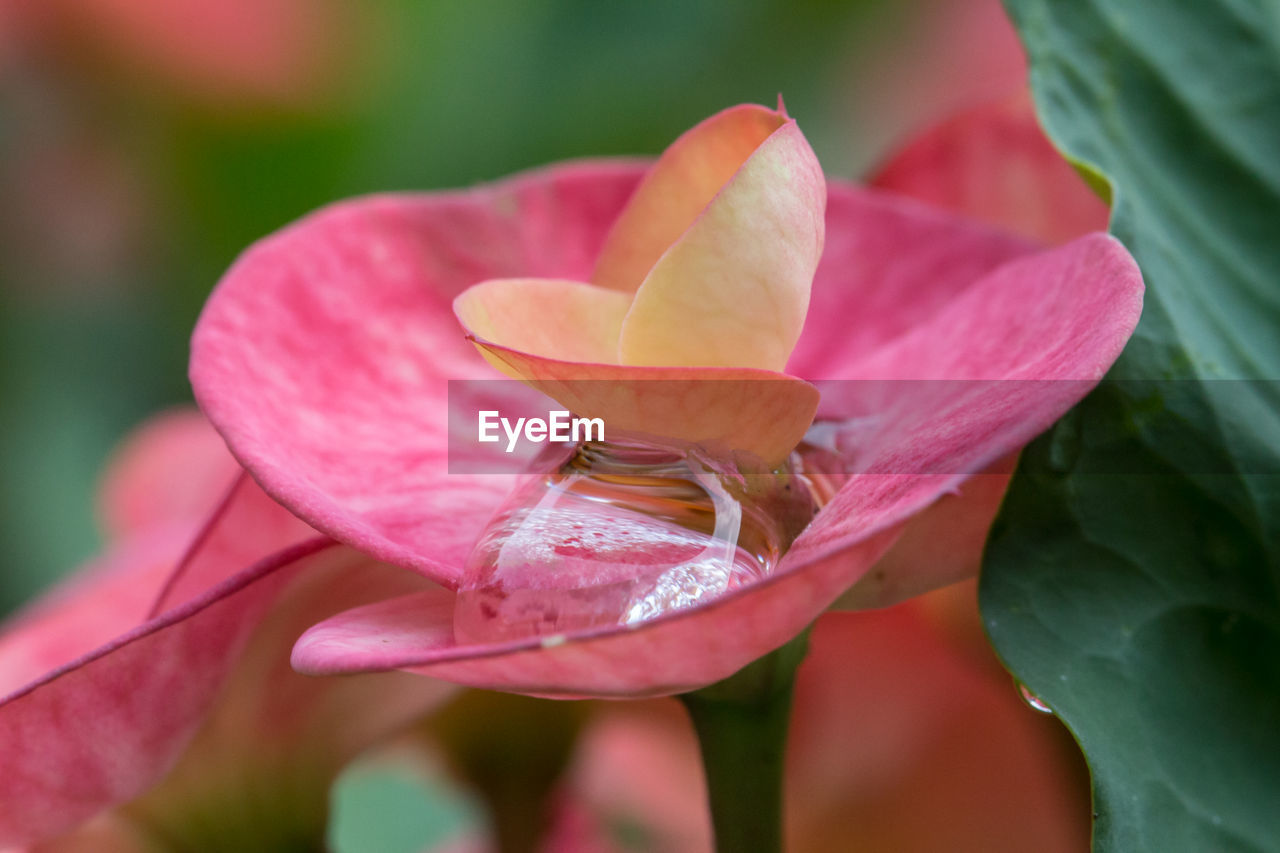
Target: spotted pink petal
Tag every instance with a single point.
(323, 356)
(180, 708)
(1002, 361)
(889, 265)
(994, 163)
(166, 553)
(105, 599)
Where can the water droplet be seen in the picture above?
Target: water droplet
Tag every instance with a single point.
(622, 533)
(1033, 701)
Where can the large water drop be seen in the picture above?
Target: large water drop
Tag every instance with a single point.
(621, 533)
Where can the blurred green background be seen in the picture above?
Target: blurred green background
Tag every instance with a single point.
(144, 144)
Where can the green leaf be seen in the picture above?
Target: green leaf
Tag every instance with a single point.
(1132, 580)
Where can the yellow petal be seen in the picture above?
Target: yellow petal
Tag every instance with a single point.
(679, 187)
(734, 288)
(552, 318)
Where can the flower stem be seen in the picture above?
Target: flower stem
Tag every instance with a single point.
(741, 724)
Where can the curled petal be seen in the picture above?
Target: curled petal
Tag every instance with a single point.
(106, 679)
(1062, 314)
(199, 697)
(359, 291)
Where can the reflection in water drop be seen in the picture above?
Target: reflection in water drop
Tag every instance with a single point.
(622, 533)
(1033, 701)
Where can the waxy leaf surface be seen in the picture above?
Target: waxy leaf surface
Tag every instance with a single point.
(1133, 577)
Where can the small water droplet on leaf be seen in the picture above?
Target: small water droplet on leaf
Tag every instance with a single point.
(1033, 701)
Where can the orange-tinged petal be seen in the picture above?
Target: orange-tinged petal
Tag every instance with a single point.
(733, 291)
(677, 189)
(749, 411)
(553, 318)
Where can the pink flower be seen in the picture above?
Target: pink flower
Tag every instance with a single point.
(324, 354)
(158, 677)
(228, 53)
(167, 658)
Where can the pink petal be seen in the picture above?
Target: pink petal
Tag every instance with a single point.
(328, 399)
(995, 164)
(101, 729)
(244, 526)
(290, 733)
(163, 564)
(323, 356)
(1007, 358)
(183, 698)
(939, 546)
(675, 653)
(139, 489)
(889, 265)
(1060, 314)
(103, 600)
(102, 697)
(676, 190)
